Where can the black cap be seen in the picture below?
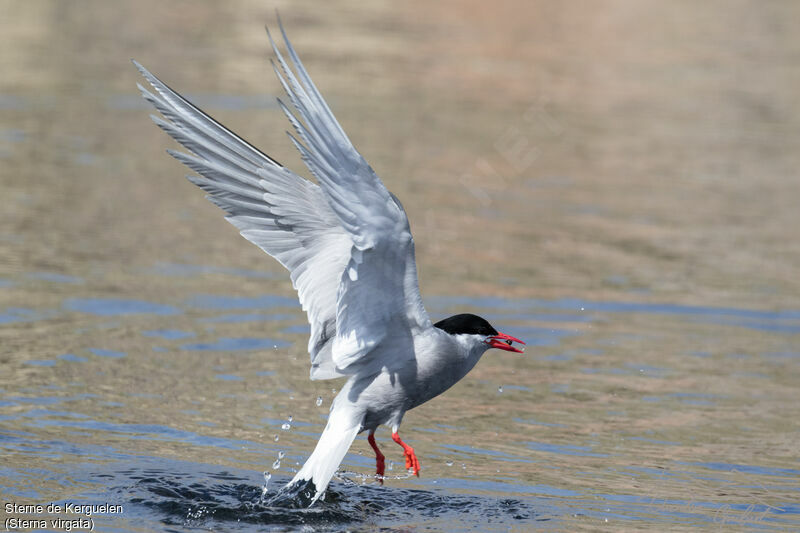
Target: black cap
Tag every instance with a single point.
(466, 323)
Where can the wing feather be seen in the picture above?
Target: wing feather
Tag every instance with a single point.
(280, 212)
(379, 290)
(346, 242)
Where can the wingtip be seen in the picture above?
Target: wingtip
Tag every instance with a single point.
(283, 32)
(271, 40)
(145, 73)
(139, 67)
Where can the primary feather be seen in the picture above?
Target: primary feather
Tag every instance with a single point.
(346, 242)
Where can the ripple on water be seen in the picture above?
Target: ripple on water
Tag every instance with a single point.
(107, 353)
(20, 314)
(184, 269)
(564, 449)
(217, 499)
(248, 317)
(72, 358)
(169, 334)
(237, 343)
(54, 277)
(199, 496)
(116, 306)
(221, 302)
(229, 377)
(40, 362)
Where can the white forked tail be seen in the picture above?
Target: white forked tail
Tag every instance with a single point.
(333, 444)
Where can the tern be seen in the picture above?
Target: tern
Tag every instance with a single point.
(347, 244)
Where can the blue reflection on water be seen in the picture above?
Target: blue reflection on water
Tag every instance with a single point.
(498, 455)
(41, 362)
(240, 343)
(564, 449)
(107, 353)
(267, 301)
(531, 421)
(297, 328)
(18, 314)
(748, 469)
(116, 306)
(54, 277)
(228, 377)
(248, 317)
(72, 358)
(169, 334)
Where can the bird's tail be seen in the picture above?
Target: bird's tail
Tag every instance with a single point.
(328, 454)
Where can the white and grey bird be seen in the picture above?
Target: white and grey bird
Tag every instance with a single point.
(347, 244)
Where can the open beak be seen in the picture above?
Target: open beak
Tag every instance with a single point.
(504, 342)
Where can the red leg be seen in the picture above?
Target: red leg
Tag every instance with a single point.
(408, 451)
(379, 458)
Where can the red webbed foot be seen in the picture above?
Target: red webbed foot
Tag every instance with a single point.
(411, 458)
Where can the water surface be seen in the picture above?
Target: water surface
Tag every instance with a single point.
(616, 186)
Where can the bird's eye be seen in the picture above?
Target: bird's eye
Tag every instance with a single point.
(509, 342)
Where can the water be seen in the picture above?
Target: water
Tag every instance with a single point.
(611, 429)
(614, 188)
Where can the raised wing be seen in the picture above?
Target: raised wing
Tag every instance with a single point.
(278, 211)
(379, 292)
(346, 243)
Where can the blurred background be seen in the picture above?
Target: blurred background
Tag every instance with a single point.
(540, 148)
(616, 179)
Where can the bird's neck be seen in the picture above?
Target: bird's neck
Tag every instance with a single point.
(458, 354)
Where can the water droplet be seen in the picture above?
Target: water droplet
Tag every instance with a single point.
(277, 464)
(290, 418)
(500, 389)
(267, 477)
(391, 465)
(319, 401)
(286, 426)
(449, 463)
(275, 437)
(281, 455)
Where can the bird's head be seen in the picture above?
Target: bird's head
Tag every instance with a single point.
(480, 331)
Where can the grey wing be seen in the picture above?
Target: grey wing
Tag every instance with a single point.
(283, 214)
(379, 292)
